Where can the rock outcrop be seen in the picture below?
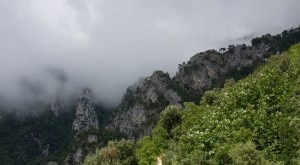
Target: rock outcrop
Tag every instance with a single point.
(86, 117)
(85, 126)
(52, 163)
(142, 104)
(211, 68)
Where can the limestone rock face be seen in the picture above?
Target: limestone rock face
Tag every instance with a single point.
(142, 104)
(85, 126)
(86, 117)
(210, 69)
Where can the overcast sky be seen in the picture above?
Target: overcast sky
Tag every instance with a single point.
(50, 46)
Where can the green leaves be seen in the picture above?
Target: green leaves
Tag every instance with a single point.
(253, 121)
(117, 152)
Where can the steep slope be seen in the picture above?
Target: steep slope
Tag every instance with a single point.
(211, 68)
(86, 117)
(85, 126)
(35, 139)
(143, 102)
(252, 121)
(60, 130)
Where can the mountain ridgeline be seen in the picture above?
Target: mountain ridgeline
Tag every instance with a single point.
(255, 120)
(67, 134)
(143, 102)
(251, 121)
(60, 135)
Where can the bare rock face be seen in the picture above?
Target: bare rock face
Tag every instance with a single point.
(52, 163)
(210, 69)
(142, 104)
(92, 138)
(85, 126)
(77, 157)
(86, 117)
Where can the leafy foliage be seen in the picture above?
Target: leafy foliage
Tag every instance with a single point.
(252, 121)
(17, 138)
(117, 152)
(280, 42)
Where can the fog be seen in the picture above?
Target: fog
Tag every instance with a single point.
(54, 48)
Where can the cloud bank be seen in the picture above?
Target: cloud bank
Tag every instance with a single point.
(50, 47)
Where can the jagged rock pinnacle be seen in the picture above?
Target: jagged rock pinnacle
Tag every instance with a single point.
(86, 117)
(142, 104)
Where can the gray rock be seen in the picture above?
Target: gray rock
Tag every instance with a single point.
(68, 159)
(52, 163)
(77, 157)
(85, 121)
(210, 69)
(141, 106)
(143, 102)
(92, 138)
(86, 117)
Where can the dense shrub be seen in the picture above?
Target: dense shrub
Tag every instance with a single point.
(252, 121)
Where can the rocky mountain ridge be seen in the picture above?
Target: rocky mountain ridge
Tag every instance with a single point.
(76, 130)
(86, 117)
(85, 126)
(142, 104)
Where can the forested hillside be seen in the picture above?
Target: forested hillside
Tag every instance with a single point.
(252, 121)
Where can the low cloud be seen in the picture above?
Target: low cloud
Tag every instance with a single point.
(57, 47)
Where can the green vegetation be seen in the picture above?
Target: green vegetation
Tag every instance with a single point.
(17, 144)
(279, 42)
(116, 153)
(252, 121)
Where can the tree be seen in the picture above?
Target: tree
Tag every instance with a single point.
(231, 48)
(170, 118)
(222, 50)
(116, 152)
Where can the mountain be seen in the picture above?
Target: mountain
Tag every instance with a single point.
(59, 134)
(85, 116)
(35, 139)
(85, 126)
(65, 133)
(143, 102)
(252, 121)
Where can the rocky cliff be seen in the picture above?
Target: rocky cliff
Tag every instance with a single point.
(85, 126)
(142, 104)
(86, 117)
(211, 68)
